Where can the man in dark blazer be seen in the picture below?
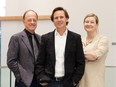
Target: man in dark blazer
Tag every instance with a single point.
(20, 56)
(61, 59)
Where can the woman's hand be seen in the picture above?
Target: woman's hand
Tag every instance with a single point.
(90, 55)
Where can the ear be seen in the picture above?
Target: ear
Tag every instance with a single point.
(97, 25)
(23, 21)
(66, 19)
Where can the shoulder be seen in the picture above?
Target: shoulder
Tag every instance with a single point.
(74, 34)
(37, 34)
(16, 35)
(19, 34)
(48, 35)
(103, 37)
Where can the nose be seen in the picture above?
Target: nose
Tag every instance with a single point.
(59, 19)
(88, 23)
(32, 21)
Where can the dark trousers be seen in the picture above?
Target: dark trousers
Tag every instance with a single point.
(33, 84)
(55, 84)
(19, 84)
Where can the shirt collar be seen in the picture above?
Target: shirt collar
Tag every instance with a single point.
(28, 33)
(64, 34)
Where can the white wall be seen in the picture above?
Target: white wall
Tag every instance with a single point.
(105, 9)
(110, 76)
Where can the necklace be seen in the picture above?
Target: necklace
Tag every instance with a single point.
(88, 41)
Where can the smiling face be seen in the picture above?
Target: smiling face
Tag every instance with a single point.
(30, 21)
(60, 19)
(91, 23)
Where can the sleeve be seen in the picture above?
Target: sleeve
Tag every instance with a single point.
(12, 57)
(40, 64)
(80, 62)
(102, 47)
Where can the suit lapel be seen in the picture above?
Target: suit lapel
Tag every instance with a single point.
(26, 42)
(38, 38)
(68, 43)
(52, 46)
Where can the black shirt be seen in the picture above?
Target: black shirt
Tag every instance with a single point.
(29, 35)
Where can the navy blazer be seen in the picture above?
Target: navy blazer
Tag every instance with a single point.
(74, 58)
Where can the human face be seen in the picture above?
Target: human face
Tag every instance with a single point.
(60, 19)
(30, 21)
(90, 24)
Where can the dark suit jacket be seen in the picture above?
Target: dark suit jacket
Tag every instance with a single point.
(20, 57)
(74, 58)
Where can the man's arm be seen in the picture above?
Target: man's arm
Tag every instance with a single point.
(80, 62)
(12, 57)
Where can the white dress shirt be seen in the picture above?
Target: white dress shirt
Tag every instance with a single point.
(60, 42)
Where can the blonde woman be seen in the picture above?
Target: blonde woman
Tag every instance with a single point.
(95, 50)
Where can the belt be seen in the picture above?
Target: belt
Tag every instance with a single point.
(58, 78)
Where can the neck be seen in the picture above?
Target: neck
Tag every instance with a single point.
(91, 35)
(61, 31)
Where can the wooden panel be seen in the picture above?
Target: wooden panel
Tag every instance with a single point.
(13, 18)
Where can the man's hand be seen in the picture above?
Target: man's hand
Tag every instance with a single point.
(44, 84)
